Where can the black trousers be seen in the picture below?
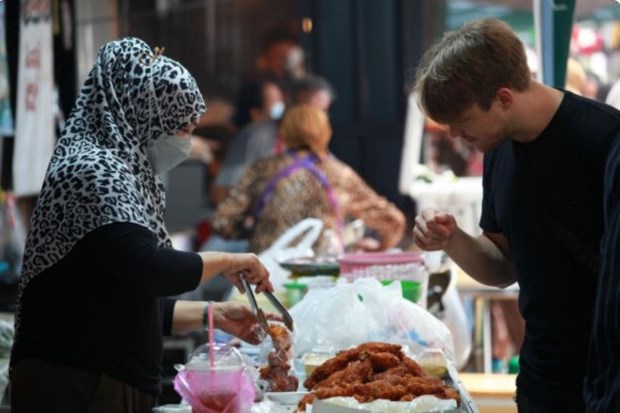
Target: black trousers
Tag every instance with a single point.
(40, 386)
(525, 405)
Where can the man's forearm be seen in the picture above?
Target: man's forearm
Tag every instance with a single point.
(481, 259)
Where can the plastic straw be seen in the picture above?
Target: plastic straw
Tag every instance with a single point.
(211, 340)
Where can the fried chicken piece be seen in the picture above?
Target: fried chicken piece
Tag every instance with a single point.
(343, 358)
(376, 347)
(363, 393)
(280, 336)
(284, 382)
(278, 380)
(337, 363)
(275, 374)
(400, 370)
(383, 361)
(418, 386)
(344, 390)
(306, 400)
(358, 371)
(373, 371)
(278, 359)
(414, 368)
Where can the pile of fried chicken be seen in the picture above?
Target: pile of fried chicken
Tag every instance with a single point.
(276, 373)
(373, 371)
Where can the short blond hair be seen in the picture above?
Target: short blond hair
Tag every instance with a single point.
(305, 127)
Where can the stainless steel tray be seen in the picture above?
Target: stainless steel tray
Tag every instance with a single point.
(467, 403)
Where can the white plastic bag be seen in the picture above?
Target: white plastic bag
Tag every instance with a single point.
(351, 314)
(456, 320)
(307, 232)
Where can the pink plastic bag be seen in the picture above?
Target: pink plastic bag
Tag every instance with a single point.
(223, 391)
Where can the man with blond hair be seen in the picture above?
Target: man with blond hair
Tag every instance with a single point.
(542, 214)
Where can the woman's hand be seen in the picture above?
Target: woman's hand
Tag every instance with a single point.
(251, 269)
(237, 319)
(232, 265)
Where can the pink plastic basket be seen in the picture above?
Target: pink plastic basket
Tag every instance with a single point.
(356, 263)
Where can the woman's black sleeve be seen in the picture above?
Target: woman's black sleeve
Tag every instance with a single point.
(167, 310)
(139, 265)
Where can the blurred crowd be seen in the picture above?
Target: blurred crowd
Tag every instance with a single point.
(245, 145)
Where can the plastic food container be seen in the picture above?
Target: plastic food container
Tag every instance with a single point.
(406, 267)
(215, 387)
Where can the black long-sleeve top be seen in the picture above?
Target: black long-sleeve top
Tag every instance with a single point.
(103, 306)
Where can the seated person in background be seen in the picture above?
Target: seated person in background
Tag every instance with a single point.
(282, 57)
(311, 90)
(315, 91)
(262, 105)
(305, 181)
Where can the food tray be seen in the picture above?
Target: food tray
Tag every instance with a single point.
(467, 403)
(311, 266)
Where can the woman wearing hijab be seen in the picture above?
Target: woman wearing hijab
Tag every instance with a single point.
(306, 181)
(98, 260)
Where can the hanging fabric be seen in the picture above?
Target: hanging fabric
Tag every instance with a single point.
(34, 129)
(6, 117)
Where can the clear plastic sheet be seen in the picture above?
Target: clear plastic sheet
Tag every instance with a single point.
(351, 314)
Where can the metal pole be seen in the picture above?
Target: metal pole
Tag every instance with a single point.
(544, 23)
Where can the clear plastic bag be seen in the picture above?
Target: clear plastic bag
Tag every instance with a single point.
(295, 242)
(351, 314)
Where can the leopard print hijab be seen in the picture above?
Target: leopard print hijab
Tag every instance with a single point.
(99, 172)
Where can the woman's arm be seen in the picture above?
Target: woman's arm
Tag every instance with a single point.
(232, 265)
(378, 213)
(233, 318)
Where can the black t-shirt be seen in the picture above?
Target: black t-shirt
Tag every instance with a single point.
(102, 307)
(603, 381)
(557, 177)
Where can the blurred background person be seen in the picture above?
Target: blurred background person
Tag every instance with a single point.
(315, 91)
(592, 86)
(282, 57)
(261, 105)
(213, 133)
(575, 77)
(306, 181)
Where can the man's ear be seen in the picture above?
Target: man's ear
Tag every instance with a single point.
(504, 97)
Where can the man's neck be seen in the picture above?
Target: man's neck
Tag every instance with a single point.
(534, 110)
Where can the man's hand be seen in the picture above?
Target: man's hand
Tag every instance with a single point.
(434, 230)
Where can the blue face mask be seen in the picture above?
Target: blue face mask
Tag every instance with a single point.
(277, 110)
(168, 151)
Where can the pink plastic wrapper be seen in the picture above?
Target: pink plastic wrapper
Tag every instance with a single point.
(219, 391)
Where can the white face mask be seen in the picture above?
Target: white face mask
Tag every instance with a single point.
(168, 151)
(277, 110)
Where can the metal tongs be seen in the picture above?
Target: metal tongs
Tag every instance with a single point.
(259, 313)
